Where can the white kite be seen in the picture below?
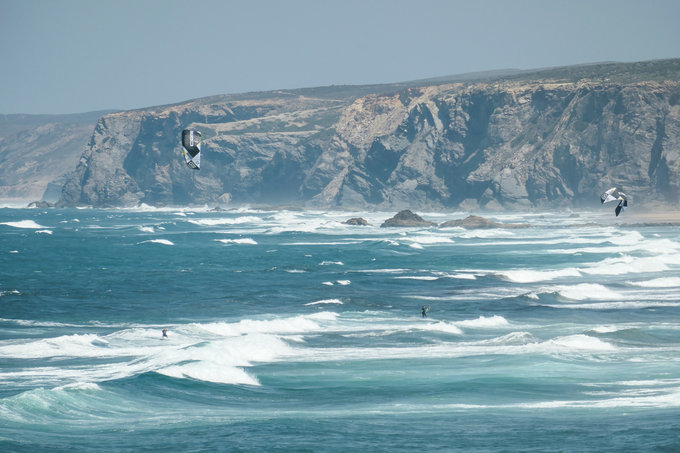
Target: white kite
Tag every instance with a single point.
(614, 194)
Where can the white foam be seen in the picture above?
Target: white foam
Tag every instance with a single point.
(215, 352)
(628, 265)
(86, 345)
(605, 329)
(628, 238)
(661, 398)
(661, 282)
(326, 301)
(382, 271)
(28, 224)
(226, 221)
(329, 263)
(417, 277)
(158, 241)
(487, 293)
(485, 234)
(247, 241)
(343, 282)
(44, 232)
(587, 291)
(221, 361)
(633, 243)
(618, 305)
(297, 324)
(87, 386)
(512, 339)
(577, 342)
(324, 243)
(461, 276)
(484, 322)
(210, 372)
(432, 239)
(533, 276)
(442, 327)
(147, 229)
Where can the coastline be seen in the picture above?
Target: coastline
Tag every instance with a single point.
(655, 217)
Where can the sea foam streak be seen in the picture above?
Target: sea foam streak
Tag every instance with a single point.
(532, 276)
(661, 282)
(247, 241)
(225, 221)
(484, 322)
(212, 352)
(28, 224)
(326, 301)
(587, 291)
(158, 241)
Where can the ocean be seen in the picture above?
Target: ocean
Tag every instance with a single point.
(289, 331)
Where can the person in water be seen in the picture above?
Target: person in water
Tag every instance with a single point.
(425, 309)
(165, 333)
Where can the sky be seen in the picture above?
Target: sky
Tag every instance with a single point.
(75, 56)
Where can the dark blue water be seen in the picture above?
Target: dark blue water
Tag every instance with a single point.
(289, 331)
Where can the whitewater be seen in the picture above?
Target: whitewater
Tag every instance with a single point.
(291, 331)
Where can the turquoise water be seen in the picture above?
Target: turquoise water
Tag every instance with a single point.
(289, 331)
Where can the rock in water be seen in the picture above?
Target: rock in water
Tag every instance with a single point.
(406, 218)
(356, 221)
(475, 222)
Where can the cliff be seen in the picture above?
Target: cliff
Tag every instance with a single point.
(36, 150)
(539, 139)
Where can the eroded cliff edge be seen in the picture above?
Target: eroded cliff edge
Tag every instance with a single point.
(553, 137)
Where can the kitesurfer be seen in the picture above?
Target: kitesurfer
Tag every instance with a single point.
(165, 333)
(425, 310)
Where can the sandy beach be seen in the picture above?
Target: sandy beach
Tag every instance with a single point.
(657, 216)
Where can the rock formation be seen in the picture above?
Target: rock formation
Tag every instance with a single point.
(406, 218)
(36, 150)
(357, 221)
(530, 140)
(473, 222)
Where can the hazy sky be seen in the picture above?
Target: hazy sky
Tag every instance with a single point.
(70, 56)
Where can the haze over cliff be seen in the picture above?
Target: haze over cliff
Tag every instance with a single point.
(528, 139)
(36, 150)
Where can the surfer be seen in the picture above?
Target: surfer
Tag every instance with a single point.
(165, 333)
(424, 310)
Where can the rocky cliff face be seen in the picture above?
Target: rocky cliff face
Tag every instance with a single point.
(525, 141)
(37, 149)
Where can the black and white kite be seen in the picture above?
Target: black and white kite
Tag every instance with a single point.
(614, 194)
(191, 141)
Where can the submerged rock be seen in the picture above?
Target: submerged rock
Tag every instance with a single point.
(406, 218)
(356, 221)
(40, 204)
(476, 222)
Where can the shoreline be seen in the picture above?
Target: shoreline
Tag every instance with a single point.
(659, 215)
(650, 217)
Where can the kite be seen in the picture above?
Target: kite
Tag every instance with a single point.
(191, 140)
(614, 194)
